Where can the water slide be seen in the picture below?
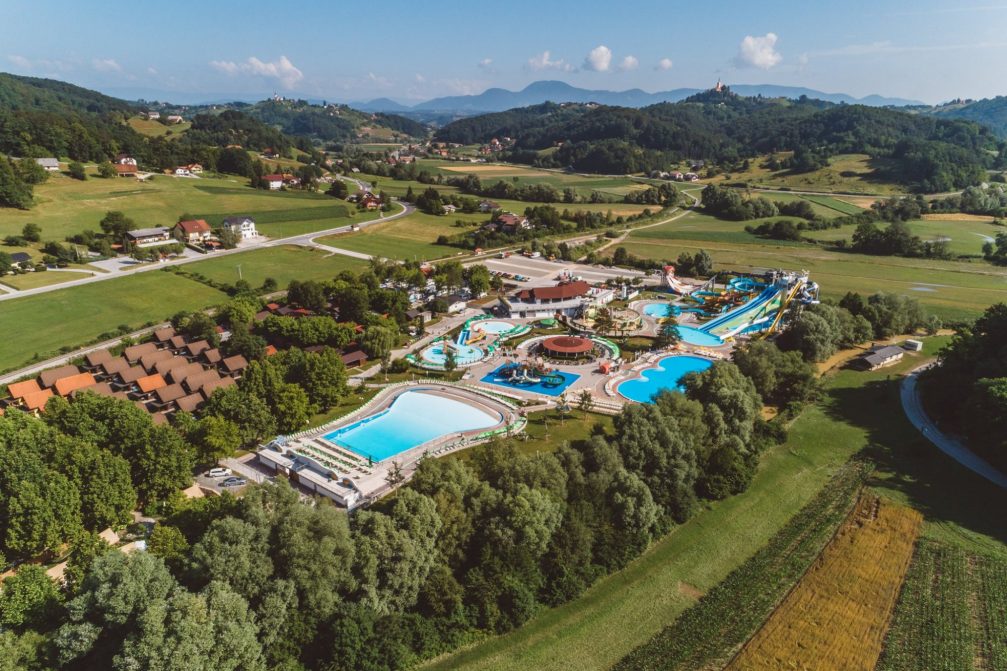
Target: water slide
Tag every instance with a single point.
(760, 310)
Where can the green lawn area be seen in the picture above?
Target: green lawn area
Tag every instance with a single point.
(407, 237)
(953, 289)
(490, 173)
(283, 223)
(66, 206)
(283, 264)
(965, 238)
(846, 173)
(152, 128)
(44, 279)
(860, 413)
(42, 324)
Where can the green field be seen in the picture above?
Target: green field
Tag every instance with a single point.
(407, 238)
(861, 413)
(152, 128)
(283, 223)
(43, 279)
(281, 263)
(846, 173)
(66, 206)
(824, 206)
(44, 323)
(953, 289)
(490, 173)
(965, 238)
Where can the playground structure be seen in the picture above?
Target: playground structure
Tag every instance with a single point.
(463, 347)
(529, 374)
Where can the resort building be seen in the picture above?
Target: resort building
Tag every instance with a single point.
(569, 299)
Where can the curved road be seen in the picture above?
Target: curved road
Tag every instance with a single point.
(952, 447)
(306, 239)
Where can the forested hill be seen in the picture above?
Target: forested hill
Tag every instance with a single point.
(928, 153)
(50, 95)
(991, 112)
(331, 123)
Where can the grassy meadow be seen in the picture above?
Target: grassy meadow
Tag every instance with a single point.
(43, 279)
(152, 128)
(285, 263)
(846, 173)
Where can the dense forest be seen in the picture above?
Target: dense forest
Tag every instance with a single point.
(927, 153)
(327, 123)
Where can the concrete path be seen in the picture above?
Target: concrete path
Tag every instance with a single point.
(950, 446)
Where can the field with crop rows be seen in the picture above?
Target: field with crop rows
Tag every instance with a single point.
(952, 614)
(708, 633)
(836, 617)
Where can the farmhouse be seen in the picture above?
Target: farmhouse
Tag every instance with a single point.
(512, 223)
(125, 169)
(274, 181)
(125, 159)
(370, 201)
(193, 230)
(243, 227)
(567, 298)
(881, 356)
(50, 164)
(150, 237)
(195, 168)
(152, 115)
(174, 118)
(488, 205)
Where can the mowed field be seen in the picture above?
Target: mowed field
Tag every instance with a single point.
(953, 289)
(407, 238)
(836, 617)
(965, 237)
(43, 279)
(283, 264)
(45, 323)
(490, 173)
(861, 412)
(66, 206)
(846, 173)
(152, 128)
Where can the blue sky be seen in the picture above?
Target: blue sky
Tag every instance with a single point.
(411, 51)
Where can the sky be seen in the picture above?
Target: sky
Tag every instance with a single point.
(411, 51)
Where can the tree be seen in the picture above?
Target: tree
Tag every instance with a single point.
(378, 341)
(248, 412)
(163, 465)
(248, 345)
(14, 191)
(668, 335)
(338, 189)
(76, 169)
(31, 232)
(213, 438)
(478, 278)
(604, 323)
(232, 551)
(168, 543)
(450, 360)
(106, 170)
(585, 401)
(31, 172)
(324, 378)
(42, 514)
(115, 224)
(29, 598)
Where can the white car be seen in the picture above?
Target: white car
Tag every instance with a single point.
(218, 472)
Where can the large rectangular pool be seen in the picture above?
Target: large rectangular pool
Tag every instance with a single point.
(412, 419)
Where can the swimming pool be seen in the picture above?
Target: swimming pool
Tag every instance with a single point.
(694, 336)
(553, 388)
(492, 327)
(667, 375)
(661, 310)
(464, 354)
(412, 419)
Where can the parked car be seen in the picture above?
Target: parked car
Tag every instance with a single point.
(219, 472)
(234, 482)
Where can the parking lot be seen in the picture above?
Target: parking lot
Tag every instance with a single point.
(544, 272)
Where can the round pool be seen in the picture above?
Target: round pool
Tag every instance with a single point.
(661, 310)
(464, 354)
(694, 336)
(667, 375)
(492, 327)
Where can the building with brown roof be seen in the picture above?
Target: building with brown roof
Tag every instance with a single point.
(134, 352)
(66, 385)
(219, 383)
(125, 170)
(48, 378)
(177, 342)
(193, 349)
(182, 372)
(212, 356)
(148, 361)
(162, 368)
(353, 359)
(96, 358)
(168, 394)
(233, 365)
(195, 382)
(189, 403)
(193, 230)
(127, 378)
(113, 367)
(99, 388)
(19, 390)
(567, 298)
(164, 334)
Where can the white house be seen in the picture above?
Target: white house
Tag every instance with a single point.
(182, 171)
(50, 164)
(243, 227)
(152, 115)
(174, 118)
(275, 182)
(455, 303)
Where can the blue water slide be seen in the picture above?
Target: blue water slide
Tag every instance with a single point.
(767, 295)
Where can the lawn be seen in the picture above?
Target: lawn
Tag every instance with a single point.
(490, 173)
(66, 206)
(44, 279)
(152, 128)
(39, 326)
(621, 611)
(283, 223)
(965, 238)
(407, 238)
(283, 264)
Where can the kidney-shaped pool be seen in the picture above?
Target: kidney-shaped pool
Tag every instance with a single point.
(667, 374)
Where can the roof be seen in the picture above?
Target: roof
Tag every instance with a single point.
(511, 219)
(195, 382)
(234, 363)
(48, 377)
(66, 385)
(164, 334)
(212, 355)
(99, 388)
(20, 257)
(134, 352)
(151, 359)
(177, 341)
(273, 178)
(270, 350)
(48, 162)
(22, 389)
(98, 357)
(883, 354)
(180, 373)
(237, 221)
(567, 345)
(190, 402)
(146, 232)
(211, 386)
(887, 350)
(114, 366)
(150, 383)
(169, 393)
(37, 400)
(194, 226)
(125, 169)
(357, 356)
(132, 374)
(195, 348)
(163, 367)
(560, 292)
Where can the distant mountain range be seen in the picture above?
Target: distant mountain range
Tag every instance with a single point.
(499, 100)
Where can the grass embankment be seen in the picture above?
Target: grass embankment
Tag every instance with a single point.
(836, 617)
(952, 614)
(861, 412)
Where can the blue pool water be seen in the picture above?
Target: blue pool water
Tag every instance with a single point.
(464, 354)
(492, 327)
(412, 419)
(550, 389)
(694, 336)
(660, 310)
(668, 374)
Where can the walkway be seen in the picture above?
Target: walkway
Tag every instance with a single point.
(950, 446)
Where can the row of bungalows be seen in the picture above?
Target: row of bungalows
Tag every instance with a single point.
(162, 376)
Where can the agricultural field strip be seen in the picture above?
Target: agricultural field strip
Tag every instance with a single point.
(836, 617)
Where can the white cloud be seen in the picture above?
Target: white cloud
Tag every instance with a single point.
(20, 61)
(543, 61)
(758, 52)
(378, 80)
(598, 59)
(152, 70)
(419, 78)
(663, 64)
(486, 64)
(106, 65)
(629, 63)
(282, 70)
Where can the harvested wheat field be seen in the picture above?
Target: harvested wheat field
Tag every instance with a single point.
(837, 615)
(956, 216)
(484, 169)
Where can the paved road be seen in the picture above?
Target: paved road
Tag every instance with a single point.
(306, 239)
(950, 446)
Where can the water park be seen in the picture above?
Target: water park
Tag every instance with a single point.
(477, 339)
